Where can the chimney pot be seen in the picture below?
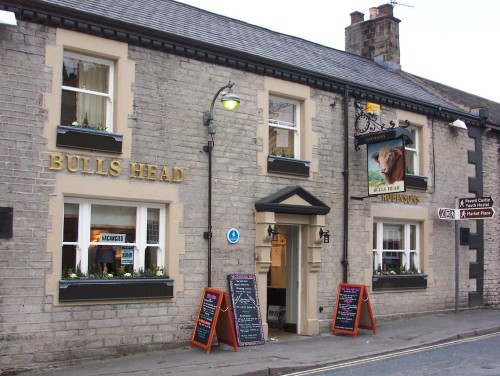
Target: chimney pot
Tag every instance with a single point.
(377, 36)
(357, 17)
(385, 10)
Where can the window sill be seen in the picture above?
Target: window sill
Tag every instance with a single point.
(88, 139)
(399, 282)
(416, 181)
(290, 166)
(81, 290)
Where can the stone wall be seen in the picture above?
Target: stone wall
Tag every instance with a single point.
(491, 188)
(170, 95)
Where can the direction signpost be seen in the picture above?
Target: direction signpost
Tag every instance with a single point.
(476, 213)
(475, 203)
(469, 208)
(465, 209)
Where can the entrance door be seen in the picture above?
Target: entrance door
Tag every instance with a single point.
(283, 280)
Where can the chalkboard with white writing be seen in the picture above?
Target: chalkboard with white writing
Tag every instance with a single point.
(352, 310)
(246, 311)
(204, 327)
(347, 307)
(214, 318)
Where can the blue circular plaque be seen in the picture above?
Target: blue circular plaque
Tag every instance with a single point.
(233, 236)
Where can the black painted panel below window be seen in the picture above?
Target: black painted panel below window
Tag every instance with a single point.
(290, 166)
(416, 181)
(87, 139)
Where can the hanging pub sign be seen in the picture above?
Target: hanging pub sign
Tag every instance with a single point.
(386, 167)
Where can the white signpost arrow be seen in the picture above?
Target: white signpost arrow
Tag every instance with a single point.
(446, 213)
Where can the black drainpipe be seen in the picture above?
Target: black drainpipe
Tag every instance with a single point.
(345, 259)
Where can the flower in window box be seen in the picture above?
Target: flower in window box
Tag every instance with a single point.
(396, 271)
(86, 125)
(120, 273)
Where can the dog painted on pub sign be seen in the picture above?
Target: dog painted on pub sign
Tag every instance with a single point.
(386, 167)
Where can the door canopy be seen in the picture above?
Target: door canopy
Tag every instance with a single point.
(292, 200)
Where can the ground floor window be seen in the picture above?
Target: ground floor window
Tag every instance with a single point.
(396, 248)
(113, 239)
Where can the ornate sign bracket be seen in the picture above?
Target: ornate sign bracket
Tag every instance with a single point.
(369, 123)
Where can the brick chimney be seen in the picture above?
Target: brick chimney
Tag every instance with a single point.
(376, 38)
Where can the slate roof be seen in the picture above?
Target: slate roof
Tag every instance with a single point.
(167, 17)
(462, 98)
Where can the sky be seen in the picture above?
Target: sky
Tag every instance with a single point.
(453, 42)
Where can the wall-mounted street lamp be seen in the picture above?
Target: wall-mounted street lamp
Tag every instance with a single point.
(325, 235)
(272, 232)
(7, 18)
(458, 124)
(230, 101)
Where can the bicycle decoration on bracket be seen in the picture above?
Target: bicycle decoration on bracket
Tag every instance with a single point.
(367, 121)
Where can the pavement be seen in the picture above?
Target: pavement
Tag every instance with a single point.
(290, 352)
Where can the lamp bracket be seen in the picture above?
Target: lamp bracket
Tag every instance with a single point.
(208, 116)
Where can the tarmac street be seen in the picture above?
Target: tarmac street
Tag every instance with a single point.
(288, 353)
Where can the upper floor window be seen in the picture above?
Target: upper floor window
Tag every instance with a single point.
(284, 128)
(87, 92)
(396, 247)
(412, 153)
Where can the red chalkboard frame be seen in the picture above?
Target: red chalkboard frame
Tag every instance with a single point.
(363, 316)
(218, 321)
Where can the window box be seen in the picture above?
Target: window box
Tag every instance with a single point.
(399, 282)
(290, 166)
(88, 139)
(416, 181)
(79, 290)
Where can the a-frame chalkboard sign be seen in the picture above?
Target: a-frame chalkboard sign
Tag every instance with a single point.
(352, 310)
(213, 318)
(246, 311)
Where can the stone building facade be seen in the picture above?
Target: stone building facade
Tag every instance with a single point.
(284, 164)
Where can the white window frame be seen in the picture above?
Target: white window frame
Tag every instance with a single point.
(84, 220)
(109, 95)
(414, 149)
(406, 249)
(289, 126)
